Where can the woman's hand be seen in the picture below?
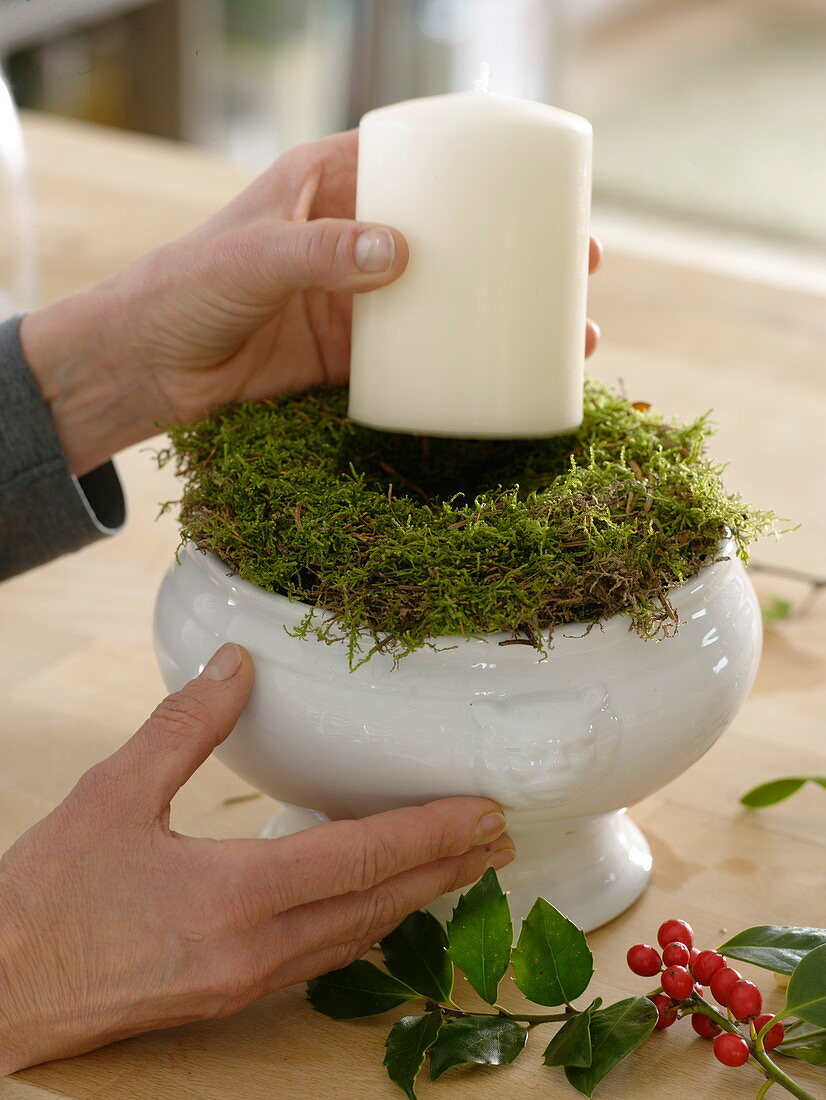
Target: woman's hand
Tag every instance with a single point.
(112, 924)
(256, 302)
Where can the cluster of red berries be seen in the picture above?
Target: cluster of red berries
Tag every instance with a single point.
(685, 971)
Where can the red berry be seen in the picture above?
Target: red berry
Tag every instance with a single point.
(774, 1036)
(706, 965)
(677, 930)
(731, 1050)
(704, 1027)
(644, 960)
(721, 982)
(744, 1000)
(676, 954)
(694, 953)
(677, 982)
(666, 1011)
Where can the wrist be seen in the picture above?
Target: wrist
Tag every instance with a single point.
(77, 352)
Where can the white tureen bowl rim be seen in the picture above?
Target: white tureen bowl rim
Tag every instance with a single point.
(291, 612)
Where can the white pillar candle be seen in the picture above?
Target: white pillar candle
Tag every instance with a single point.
(484, 334)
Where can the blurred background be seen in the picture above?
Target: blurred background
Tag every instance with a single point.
(708, 114)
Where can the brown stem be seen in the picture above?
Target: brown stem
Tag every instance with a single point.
(790, 574)
(552, 1018)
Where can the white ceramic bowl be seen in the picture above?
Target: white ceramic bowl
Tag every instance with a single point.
(563, 743)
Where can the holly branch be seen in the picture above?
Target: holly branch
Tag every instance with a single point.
(553, 966)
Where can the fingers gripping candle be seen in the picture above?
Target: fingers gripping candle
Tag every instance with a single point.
(484, 334)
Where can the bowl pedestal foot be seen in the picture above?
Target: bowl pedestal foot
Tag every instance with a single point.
(590, 868)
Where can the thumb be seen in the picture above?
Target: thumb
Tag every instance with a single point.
(183, 730)
(335, 254)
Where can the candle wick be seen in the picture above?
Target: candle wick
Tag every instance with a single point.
(483, 83)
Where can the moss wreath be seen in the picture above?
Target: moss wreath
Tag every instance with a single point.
(405, 539)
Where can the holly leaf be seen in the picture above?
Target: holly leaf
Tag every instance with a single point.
(485, 1040)
(552, 963)
(806, 995)
(480, 934)
(616, 1032)
(360, 989)
(768, 794)
(571, 1046)
(407, 1044)
(773, 947)
(416, 954)
(806, 1042)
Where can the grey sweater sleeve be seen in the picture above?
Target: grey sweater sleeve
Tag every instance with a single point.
(45, 511)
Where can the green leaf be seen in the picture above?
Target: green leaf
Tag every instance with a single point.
(480, 935)
(360, 989)
(776, 610)
(806, 1042)
(767, 794)
(485, 1040)
(571, 1046)
(616, 1032)
(806, 995)
(416, 954)
(552, 963)
(773, 947)
(407, 1044)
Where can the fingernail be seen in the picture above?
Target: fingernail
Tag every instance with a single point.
(489, 828)
(501, 858)
(223, 664)
(375, 250)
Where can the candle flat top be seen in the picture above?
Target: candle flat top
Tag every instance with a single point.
(477, 104)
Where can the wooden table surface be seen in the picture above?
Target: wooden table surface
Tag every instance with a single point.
(77, 672)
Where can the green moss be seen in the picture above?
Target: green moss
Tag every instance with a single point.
(408, 539)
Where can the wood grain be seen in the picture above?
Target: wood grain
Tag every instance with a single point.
(77, 673)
